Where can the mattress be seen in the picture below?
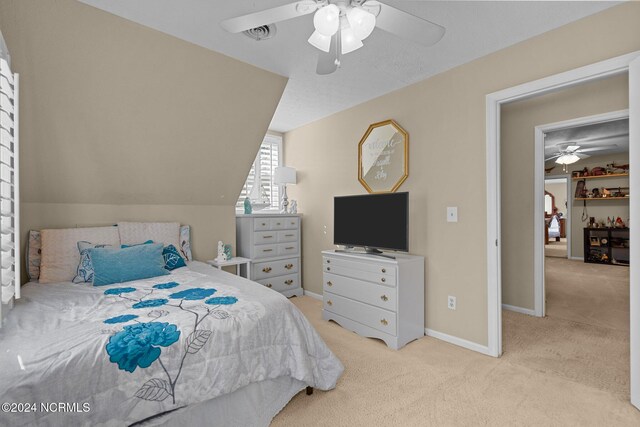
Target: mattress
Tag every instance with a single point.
(158, 350)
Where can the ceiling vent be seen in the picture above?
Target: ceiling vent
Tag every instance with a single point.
(263, 32)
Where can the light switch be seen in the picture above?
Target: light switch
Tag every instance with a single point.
(452, 214)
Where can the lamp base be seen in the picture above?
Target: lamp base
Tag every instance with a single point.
(285, 201)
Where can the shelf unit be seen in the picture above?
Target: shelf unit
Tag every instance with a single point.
(606, 246)
(613, 175)
(602, 198)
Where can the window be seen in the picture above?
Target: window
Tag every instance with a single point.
(268, 159)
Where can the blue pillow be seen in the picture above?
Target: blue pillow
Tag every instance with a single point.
(148, 242)
(123, 265)
(84, 272)
(172, 258)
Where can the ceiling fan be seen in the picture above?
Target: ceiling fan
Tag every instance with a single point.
(342, 25)
(569, 153)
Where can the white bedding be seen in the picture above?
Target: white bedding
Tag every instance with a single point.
(56, 347)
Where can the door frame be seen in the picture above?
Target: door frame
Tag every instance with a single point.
(494, 101)
(539, 185)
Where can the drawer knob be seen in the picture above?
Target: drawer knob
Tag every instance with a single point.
(289, 235)
(384, 298)
(289, 248)
(288, 282)
(384, 322)
(264, 223)
(266, 269)
(329, 303)
(288, 266)
(277, 223)
(384, 280)
(267, 250)
(267, 237)
(268, 285)
(384, 270)
(328, 268)
(328, 261)
(329, 283)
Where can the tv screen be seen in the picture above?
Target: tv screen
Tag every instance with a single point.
(379, 221)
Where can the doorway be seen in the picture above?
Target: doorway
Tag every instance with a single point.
(626, 64)
(557, 217)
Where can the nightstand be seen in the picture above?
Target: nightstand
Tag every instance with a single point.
(237, 261)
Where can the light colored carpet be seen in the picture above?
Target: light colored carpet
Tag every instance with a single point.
(538, 381)
(556, 249)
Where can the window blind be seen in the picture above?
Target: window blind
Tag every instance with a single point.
(9, 188)
(268, 159)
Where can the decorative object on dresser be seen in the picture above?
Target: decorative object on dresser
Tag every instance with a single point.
(383, 157)
(272, 243)
(375, 297)
(285, 175)
(221, 255)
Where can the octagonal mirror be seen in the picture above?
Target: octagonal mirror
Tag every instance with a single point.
(383, 157)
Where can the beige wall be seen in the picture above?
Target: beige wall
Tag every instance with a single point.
(517, 153)
(445, 117)
(121, 121)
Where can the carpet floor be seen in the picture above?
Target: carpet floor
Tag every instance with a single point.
(556, 249)
(555, 372)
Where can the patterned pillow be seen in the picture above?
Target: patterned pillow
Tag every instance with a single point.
(85, 271)
(172, 258)
(34, 251)
(185, 242)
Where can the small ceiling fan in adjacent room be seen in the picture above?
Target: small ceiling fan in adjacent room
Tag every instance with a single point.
(342, 25)
(569, 153)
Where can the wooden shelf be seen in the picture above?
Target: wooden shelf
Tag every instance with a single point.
(613, 175)
(602, 198)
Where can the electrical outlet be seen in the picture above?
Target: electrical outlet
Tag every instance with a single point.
(451, 303)
(452, 214)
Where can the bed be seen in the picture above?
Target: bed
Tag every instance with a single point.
(196, 346)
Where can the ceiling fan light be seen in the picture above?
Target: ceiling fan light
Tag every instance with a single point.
(567, 159)
(320, 41)
(350, 41)
(327, 20)
(361, 21)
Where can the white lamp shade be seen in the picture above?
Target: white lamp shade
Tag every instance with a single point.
(350, 41)
(361, 21)
(285, 175)
(327, 20)
(567, 159)
(320, 41)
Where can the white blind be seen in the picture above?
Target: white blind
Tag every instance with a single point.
(9, 184)
(268, 159)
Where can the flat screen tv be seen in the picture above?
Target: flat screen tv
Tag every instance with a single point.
(372, 221)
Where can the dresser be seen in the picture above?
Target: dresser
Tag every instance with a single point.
(374, 296)
(272, 242)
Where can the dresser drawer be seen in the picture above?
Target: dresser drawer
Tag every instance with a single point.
(287, 236)
(367, 292)
(379, 278)
(260, 224)
(372, 267)
(368, 315)
(282, 283)
(265, 251)
(277, 223)
(288, 248)
(265, 237)
(263, 270)
(291, 223)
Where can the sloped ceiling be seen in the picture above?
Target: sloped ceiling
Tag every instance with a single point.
(113, 112)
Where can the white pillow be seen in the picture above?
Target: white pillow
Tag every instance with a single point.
(134, 233)
(60, 256)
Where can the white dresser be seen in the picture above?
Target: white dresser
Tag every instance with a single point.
(272, 242)
(375, 296)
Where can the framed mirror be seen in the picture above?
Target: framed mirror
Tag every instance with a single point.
(383, 157)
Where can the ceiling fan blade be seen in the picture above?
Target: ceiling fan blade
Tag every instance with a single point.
(586, 150)
(572, 148)
(552, 157)
(405, 25)
(582, 156)
(328, 62)
(269, 16)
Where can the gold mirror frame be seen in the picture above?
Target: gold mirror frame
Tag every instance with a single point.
(405, 169)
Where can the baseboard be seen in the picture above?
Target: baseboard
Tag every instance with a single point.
(458, 341)
(313, 295)
(519, 309)
(577, 258)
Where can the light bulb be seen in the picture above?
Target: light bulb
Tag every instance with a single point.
(361, 21)
(327, 20)
(320, 41)
(349, 41)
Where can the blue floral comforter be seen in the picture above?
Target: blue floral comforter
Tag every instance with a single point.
(119, 354)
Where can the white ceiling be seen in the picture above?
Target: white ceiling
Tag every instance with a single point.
(607, 138)
(384, 64)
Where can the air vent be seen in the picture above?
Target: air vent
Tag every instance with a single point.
(263, 32)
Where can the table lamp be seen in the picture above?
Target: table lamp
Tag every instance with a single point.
(285, 175)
